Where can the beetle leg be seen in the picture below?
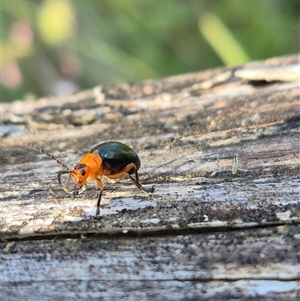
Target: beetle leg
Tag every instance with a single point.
(125, 173)
(82, 189)
(136, 179)
(137, 183)
(136, 175)
(139, 186)
(100, 185)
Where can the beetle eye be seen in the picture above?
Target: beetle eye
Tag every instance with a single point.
(82, 172)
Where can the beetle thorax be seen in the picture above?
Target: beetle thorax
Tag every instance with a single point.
(88, 166)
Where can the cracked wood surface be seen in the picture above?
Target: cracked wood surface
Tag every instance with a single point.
(222, 148)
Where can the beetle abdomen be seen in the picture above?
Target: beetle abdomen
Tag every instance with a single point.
(116, 155)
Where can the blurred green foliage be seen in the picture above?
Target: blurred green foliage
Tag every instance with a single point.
(54, 47)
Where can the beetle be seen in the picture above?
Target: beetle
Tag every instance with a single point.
(111, 159)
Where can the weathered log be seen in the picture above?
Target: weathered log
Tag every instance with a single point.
(222, 148)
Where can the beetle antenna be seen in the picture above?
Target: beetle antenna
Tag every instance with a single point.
(49, 155)
(61, 173)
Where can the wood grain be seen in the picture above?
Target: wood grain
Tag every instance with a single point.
(222, 150)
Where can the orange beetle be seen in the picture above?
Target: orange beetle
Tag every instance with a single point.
(111, 159)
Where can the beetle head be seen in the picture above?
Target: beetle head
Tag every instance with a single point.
(80, 174)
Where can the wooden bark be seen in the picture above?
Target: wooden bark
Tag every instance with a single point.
(222, 149)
